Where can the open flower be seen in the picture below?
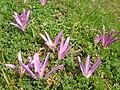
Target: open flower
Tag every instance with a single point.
(43, 2)
(106, 40)
(21, 20)
(63, 48)
(48, 41)
(39, 68)
(87, 72)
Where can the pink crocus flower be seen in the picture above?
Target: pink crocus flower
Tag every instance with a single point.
(107, 40)
(48, 41)
(62, 51)
(86, 70)
(43, 2)
(21, 20)
(36, 65)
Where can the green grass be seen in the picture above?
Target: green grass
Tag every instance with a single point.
(80, 20)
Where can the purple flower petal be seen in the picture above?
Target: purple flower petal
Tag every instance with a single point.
(103, 36)
(36, 64)
(43, 2)
(44, 38)
(87, 66)
(44, 65)
(109, 43)
(57, 38)
(53, 70)
(30, 62)
(93, 68)
(63, 48)
(25, 66)
(17, 19)
(13, 67)
(48, 38)
(112, 39)
(23, 14)
(27, 15)
(61, 55)
(71, 46)
(61, 44)
(29, 59)
(109, 36)
(97, 39)
(81, 66)
(17, 25)
(66, 44)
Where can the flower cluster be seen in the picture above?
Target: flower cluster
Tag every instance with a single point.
(36, 69)
(48, 41)
(62, 50)
(86, 69)
(39, 68)
(21, 20)
(106, 40)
